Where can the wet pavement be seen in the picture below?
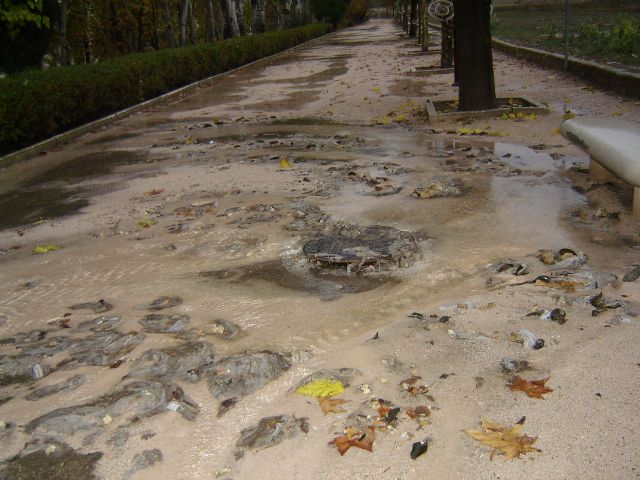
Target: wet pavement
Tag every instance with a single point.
(245, 235)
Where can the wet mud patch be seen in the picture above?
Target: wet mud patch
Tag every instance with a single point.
(90, 165)
(408, 88)
(298, 276)
(27, 206)
(51, 461)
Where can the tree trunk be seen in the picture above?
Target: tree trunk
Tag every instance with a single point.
(231, 21)
(240, 17)
(413, 16)
(405, 16)
(210, 22)
(192, 25)
(258, 15)
(184, 12)
(63, 47)
(446, 52)
(425, 28)
(475, 62)
(170, 37)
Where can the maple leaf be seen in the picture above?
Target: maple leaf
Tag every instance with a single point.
(533, 389)
(509, 442)
(331, 405)
(354, 437)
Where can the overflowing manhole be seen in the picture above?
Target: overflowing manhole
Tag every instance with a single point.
(372, 248)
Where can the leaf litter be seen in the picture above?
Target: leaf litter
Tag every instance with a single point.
(533, 389)
(506, 441)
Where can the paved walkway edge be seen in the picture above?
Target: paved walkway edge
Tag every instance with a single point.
(615, 79)
(56, 140)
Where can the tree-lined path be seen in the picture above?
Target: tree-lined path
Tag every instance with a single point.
(193, 273)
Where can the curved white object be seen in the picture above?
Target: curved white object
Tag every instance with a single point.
(614, 144)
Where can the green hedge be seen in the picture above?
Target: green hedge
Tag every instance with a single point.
(39, 104)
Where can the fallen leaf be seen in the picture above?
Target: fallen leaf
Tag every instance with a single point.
(509, 442)
(409, 385)
(146, 223)
(568, 115)
(323, 387)
(153, 192)
(331, 405)
(46, 248)
(284, 163)
(533, 389)
(354, 438)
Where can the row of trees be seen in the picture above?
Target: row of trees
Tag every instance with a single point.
(467, 38)
(63, 32)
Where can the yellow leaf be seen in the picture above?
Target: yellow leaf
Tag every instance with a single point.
(556, 131)
(568, 115)
(146, 223)
(509, 442)
(377, 90)
(284, 163)
(46, 248)
(616, 114)
(401, 118)
(323, 387)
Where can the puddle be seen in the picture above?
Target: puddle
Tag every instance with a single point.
(31, 205)
(89, 165)
(298, 276)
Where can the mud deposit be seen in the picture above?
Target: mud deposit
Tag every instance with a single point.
(296, 227)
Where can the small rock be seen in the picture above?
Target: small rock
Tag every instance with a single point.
(438, 186)
(632, 275)
(419, 448)
(163, 302)
(159, 323)
(100, 306)
(243, 373)
(271, 431)
(143, 460)
(511, 365)
(68, 385)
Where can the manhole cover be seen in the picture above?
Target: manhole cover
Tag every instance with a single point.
(361, 247)
(342, 250)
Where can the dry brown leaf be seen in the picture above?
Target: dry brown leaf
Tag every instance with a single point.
(566, 285)
(533, 389)
(509, 442)
(331, 405)
(353, 437)
(155, 191)
(409, 385)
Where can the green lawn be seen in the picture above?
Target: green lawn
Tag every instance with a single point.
(608, 32)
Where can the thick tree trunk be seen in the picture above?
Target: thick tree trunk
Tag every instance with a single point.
(210, 22)
(446, 53)
(184, 12)
(240, 16)
(413, 17)
(169, 35)
(258, 15)
(231, 21)
(475, 61)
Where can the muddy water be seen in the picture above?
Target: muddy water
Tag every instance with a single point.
(223, 178)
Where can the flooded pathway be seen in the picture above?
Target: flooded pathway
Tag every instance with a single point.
(295, 216)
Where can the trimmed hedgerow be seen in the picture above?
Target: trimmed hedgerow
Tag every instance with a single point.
(36, 105)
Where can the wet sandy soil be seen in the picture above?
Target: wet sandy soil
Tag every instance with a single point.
(211, 198)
